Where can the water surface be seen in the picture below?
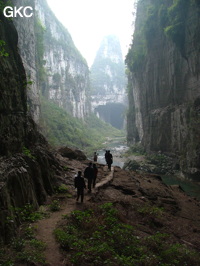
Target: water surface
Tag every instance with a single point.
(192, 188)
(118, 146)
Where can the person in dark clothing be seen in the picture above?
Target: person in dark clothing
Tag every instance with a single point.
(95, 157)
(95, 174)
(79, 183)
(106, 156)
(109, 160)
(89, 174)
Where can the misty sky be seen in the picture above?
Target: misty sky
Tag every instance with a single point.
(88, 21)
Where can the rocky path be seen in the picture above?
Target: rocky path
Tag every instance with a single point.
(46, 226)
(142, 200)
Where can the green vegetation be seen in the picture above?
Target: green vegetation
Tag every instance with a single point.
(98, 236)
(2, 49)
(62, 189)
(157, 159)
(25, 214)
(136, 149)
(27, 152)
(136, 56)
(24, 249)
(3, 4)
(177, 14)
(28, 83)
(160, 17)
(61, 129)
(150, 210)
(54, 206)
(131, 165)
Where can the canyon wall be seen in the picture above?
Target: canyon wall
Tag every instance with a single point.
(54, 66)
(27, 167)
(13, 97)
(164, 81)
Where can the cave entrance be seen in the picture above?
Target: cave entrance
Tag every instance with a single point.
(112, 113)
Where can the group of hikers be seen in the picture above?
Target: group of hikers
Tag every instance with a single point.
(108, 158)
(90, 174)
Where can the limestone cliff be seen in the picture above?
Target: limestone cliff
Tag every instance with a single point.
(13, 97)
(108, 82)
(164, 94)
(26, 165)
(27, 48)
(52, 62)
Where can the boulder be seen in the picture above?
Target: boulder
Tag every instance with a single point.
(72, 154)
(131, 165)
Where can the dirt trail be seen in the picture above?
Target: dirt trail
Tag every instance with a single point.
(47, 226)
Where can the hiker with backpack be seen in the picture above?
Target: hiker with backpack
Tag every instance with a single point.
(109, 160)
(89, 174)
(79, 183)
(95, 174)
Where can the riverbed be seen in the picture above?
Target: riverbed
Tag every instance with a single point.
(118, 147)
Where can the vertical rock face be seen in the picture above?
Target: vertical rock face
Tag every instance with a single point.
(12, 92)
(52, 62)
(108, 82)
(26, 165)
(164, 94)
(27, 48)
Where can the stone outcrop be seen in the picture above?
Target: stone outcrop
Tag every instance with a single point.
(141, 197)
(164, 95)
(72, 154)
(108, 82)
(25, 180)
(52, 62)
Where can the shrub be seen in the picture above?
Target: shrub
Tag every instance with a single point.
(62, 189)
(54, 206)
(177, 14)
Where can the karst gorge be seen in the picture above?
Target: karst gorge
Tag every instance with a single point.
(55, 112)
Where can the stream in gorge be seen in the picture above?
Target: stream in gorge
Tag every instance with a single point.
(118, 147)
